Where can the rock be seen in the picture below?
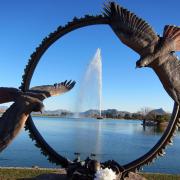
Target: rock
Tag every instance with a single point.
(35, 167)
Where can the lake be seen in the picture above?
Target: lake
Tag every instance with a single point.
(121, 140)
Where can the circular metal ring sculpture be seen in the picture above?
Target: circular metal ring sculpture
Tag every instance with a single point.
(47, 150)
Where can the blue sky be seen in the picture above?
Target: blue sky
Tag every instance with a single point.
(25, 23)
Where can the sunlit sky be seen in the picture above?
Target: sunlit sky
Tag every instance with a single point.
(25, 23)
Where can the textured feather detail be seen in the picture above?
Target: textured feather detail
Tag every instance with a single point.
(172, 33)
(133, 31)
(13, 120)
(9, 94)
(8, 123)
(46, 91)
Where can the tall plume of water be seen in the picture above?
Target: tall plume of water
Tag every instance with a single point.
(98, 62)
(90, 93)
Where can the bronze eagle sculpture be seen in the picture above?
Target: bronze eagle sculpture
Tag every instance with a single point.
(13, 120)
(155, 52)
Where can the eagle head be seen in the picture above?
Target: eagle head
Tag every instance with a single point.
(37, 106)
(140, 64)
(30, 104)
(145, 61)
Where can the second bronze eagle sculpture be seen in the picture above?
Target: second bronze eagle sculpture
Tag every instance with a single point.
(13, 120)
(155, 52)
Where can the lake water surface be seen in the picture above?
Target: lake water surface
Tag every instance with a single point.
(120, 140)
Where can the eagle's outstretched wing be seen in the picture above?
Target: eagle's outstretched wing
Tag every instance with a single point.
(131, 30)
(15, 117)
(9, 94)
(46, 91)
(172, 33)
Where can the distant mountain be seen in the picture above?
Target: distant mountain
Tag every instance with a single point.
(109, 113)
(58, 111)
(159, 111)
(114, 113)
(3, 109)
(90, 112)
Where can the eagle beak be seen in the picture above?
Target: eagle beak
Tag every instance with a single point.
(42, 108)
(138, 64)
(141, 63)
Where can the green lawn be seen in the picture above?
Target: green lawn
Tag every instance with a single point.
(12, 174)
(23, 173)
(161, 176)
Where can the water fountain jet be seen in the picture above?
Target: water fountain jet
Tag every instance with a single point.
(91, 86)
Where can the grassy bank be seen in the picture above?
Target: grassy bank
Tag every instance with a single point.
(157, 176)
(20, 173)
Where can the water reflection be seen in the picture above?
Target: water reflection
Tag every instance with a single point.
(155, 129)
(107, 138)
(120, 140)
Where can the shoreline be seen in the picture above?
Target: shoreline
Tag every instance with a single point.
(105, 118)
(54, 116)
(38, 172)
(61, 169)
(163, 124)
